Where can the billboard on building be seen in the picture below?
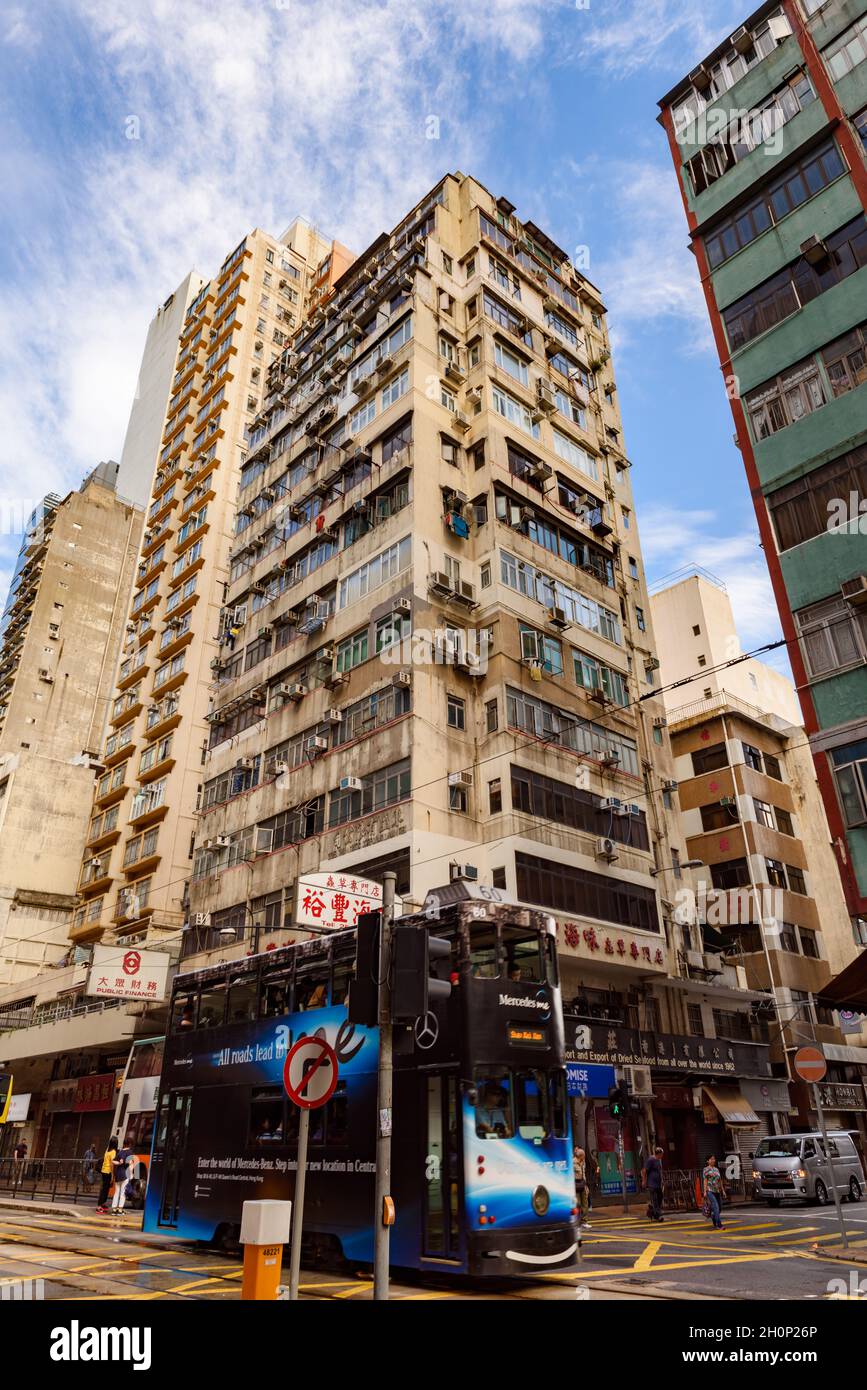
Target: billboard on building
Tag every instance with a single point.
(118, 973)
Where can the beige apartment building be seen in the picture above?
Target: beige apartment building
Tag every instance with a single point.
(137, 859)
(61, 628)
(753, 813)
(153, 391)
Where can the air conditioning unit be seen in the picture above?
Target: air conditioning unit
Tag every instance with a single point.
(466, 593)
(700, 78)
(316, 744)
(337, 678)
(669, 784)
(651, 663)
(545, 398)
(557, 618)
(469, 662)
(542, 472)
(292, 692)
(385, 364)
(246, 764)
(278, 769)
(741, 40)
(350, 784)
(454, 374)
(402, 607)
(460, 421)
(854, 590)
(606, 849)
(814, 250)
(440, 583)
(638, 1080)
(660, 722)
(469, 872)
(461, 779)
(334, 716)
(610, 803)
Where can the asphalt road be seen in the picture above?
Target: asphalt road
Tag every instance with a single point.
(759, 1255)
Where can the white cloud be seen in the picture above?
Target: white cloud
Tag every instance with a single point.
(628, 36)
(247, 113)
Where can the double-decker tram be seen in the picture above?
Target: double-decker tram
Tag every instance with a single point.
(482, 1175)
(135, 1111)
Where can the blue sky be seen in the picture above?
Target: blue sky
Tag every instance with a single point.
(248, 112)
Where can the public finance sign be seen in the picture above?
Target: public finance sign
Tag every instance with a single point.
(335, 900)
(127, 973)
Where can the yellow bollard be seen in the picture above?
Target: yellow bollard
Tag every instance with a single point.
(264, 1231)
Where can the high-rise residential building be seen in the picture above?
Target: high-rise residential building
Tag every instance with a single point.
(153, 391)
(768, 138)
(437, 654)
(63, 626)
(753, 813)
(137, 859)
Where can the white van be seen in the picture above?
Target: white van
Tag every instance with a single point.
(796, 1165)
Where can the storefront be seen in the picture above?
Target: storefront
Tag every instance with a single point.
(700, 1100)
(80, 1111)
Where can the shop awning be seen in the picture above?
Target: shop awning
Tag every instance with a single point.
(733, 1107)
(848, 990)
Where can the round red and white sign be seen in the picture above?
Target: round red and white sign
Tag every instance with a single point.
(310, 1073)
(810, 1064)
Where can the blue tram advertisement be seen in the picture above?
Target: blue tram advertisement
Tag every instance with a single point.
(481, 1164)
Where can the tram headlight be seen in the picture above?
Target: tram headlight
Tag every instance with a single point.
(541, 1200)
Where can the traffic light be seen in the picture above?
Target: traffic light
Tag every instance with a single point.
(618, 1101)
(363, 1007)
(413, 987)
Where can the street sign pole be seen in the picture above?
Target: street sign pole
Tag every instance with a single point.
(821, 1113)
(309, 1079)
(382, 1232)
(298, 1208)
(623, 1186)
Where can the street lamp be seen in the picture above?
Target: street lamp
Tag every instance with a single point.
(674, 868)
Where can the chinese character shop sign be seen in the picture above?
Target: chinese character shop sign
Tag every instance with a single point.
(120, 972)
(610, 944)
(335, 900)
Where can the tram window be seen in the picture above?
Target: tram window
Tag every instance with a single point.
(163, 1120)
(494, 1107)
(557, 1091)
(266, 1116)
(242, 1000)
(276, 997)
(522, 955)
(549, 948)
(337, 1122)
(212, 1007)
(531, 1110)
(146, 1059)
(343, 971)
(311, 985)
(183, 1013)
(483, 951)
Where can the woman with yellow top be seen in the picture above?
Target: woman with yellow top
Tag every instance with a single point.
(105, 1173)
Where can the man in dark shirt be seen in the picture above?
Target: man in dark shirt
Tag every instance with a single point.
(653, 1180)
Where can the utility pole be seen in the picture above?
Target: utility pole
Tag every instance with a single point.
(821, 1113)
(382, 1232)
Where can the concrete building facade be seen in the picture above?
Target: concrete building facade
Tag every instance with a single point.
(753, 813)
(63, 627)
(768, 137)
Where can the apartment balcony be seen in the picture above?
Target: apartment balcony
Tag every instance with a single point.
(148, 807)
(117, 752)
(134, 673)
(103, 839)
(139, 867)
(127, 710)
(156, 770)
(161, 508)
(175, 643)
(162, 723)
(95, 882)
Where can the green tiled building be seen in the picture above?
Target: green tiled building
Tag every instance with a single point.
(769, 139)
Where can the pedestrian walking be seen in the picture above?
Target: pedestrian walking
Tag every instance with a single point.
(579, 1167)
(89, 1162)
(653, 1183)
(713, 1188)
(20, 1155)
(106, 1173)
(123, 1165)
(592, 1177)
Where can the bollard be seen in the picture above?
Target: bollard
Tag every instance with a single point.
(264, 1231)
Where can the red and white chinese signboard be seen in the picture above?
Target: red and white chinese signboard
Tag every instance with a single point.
(120, 972)
(335, 900)
(610, 944)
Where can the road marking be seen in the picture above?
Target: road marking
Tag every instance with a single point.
(360, 1288)
(645, 1259)
(192, 1284)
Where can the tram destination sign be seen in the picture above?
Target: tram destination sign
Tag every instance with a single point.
(673, 1052)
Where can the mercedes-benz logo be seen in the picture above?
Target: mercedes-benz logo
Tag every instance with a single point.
(426, 1030)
